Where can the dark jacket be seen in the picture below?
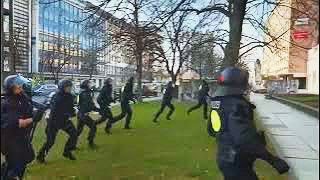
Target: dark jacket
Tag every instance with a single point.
(14, 108)
(168, 94)
(86, 103)
(203, 93)
(105, 96)
(61, 108)
(127, 93)
(15, 141)
(237, 127)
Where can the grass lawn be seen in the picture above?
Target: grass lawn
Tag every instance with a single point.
(173, 150)
(308, 99)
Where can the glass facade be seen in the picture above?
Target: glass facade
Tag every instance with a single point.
(66, 36)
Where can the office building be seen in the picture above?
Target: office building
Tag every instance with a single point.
(293, 31)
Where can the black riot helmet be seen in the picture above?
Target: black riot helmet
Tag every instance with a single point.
(108, 81)
(205, 84)
(232, 81)
(64, 83)
(131, 79)
(17, 80)
(85, 84)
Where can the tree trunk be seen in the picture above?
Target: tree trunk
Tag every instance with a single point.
(91, 72)
(139, 71)
(56, 78)
(200, 70)
(231, 52)
(173, 78)
(139, 50)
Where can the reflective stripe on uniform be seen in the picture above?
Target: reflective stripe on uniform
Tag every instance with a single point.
(215, 121)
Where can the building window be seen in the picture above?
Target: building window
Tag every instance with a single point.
(302, 83)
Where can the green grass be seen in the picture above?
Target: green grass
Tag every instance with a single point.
(173, 150)
(308, 99)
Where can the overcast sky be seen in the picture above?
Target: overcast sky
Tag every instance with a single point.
(247, 29)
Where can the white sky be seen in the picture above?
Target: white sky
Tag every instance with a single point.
(257, 53)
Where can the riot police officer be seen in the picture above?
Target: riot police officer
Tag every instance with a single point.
(86, 105)
(232, 123)
(104, 100)
(202, 99)
(16, 118)
(59, 119)
(127, 95)
(166, 102)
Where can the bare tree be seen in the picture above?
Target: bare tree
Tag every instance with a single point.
(92, 58)
(140, 27)
(253, 12)
(57, 55)
(204, 60)
(15, 45)
(178, 34)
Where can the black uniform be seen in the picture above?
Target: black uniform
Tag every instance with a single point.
(86, 105)
(239, 143)
(202, 100)
(126, 111)
(104, 100)
(61, 112)
(166, 102)
(15, 143)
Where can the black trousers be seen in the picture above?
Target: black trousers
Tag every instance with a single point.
(247, 174)
(10, 170)
(241, 169)
(86, 120)
(18, 153)
(126, 111)
(52, 131)
(205, 108)
(106, 115)
(163, 106)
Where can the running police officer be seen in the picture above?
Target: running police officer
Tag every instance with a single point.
(166, 102)
(126, 111)
(232, 123)
(61, 112)
(104, 100)
(202, 99)
(16, 118)
(86, 105)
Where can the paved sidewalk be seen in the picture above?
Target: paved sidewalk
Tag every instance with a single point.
(294, 134)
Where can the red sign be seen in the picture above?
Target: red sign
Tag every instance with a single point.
(300, 35)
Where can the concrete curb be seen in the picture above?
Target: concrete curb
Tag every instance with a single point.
(302, 107)
(276, 146)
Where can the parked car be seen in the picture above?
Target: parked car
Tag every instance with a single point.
(45, 89)
(261, 91)
(149, 91)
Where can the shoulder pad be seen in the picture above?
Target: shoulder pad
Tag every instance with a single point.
(215, 104)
